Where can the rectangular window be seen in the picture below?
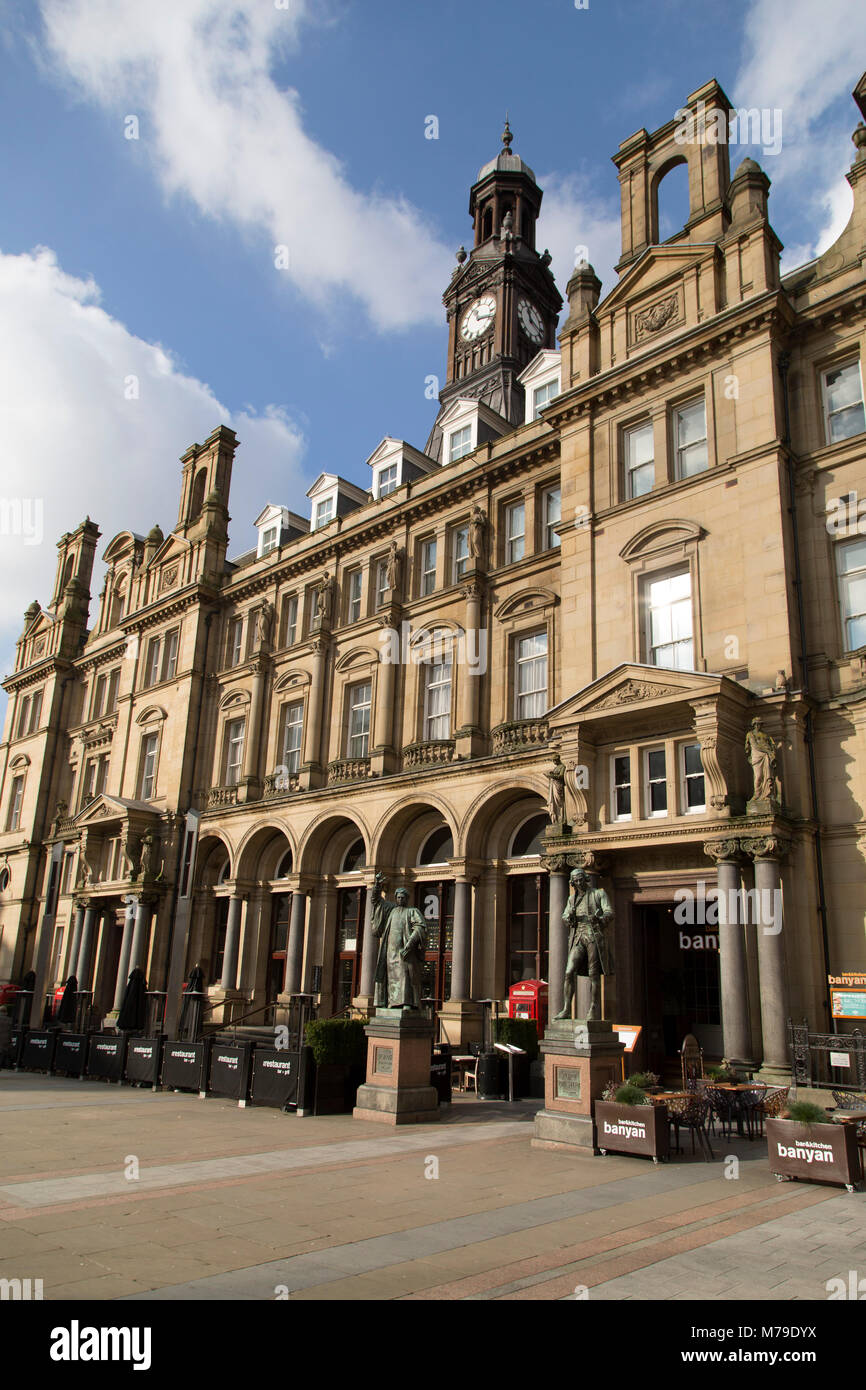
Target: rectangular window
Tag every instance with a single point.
(35, 711)
(234, 751)
(16, 797)
(621, 775)
(437, 690)
(851, 570)
(381, 584)
(290, 621)
(639, 461)
(694, 794)
(101, 774)
(88, 785)
(293, 727)
(656, 782)
(843, 402)
(234, 645)
(459, 443)
(515, 532)
(169, 658)
(325, 511)
(355, 586)
(270, 539)
(111, 694)
(428, 567)
(530, 677)
(66, 876)
(151, 665)
(669, 622)
(543, 395)
(551, 511)
(24, 717)
(360, 700)
(461, 552)
(149, 751)
(387, 480)
(99, 696)
(691, 439)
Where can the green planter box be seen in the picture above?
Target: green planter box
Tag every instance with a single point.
(818, 1153)
(632, 1129)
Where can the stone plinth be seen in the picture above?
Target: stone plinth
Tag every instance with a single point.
(580, 1058)
(397, 1090)
(462, 1022)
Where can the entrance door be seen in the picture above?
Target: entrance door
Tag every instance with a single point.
(435, 901)
(681, 985)
(281, 909)
(527, 928)
(347, 956)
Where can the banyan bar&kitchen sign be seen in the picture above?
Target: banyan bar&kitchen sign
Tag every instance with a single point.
(848, 995)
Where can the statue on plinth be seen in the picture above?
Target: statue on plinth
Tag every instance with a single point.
(402, 936)
(556, 792)
(324, 597)
(587, 913)
(762, 754)
(478, 534)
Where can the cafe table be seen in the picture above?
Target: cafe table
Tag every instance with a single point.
(736, 1089)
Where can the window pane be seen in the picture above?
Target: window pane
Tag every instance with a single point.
(531, 676)
(691, 424)
(656, 764)
(692, 759)
(552, 516)
(460, 443)
(851, 557)
(359, 720)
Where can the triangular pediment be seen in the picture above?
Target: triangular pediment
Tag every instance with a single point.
(632, 687)
(659, 268)
(107, 808)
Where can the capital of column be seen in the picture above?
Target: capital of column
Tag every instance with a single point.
(555, 863)
(766, 847)
(726, 851)
(588, 859)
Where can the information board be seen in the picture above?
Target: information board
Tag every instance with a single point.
(848, 1003)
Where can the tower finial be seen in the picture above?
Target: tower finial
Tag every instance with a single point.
(507, 137)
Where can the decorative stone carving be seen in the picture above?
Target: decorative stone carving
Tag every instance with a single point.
(761, 753)
(168, 578)
(663, 314)
(766, 847)
(556, 793)
(478, 535)
(264, 623)
(394, 567)
(723, 851)
(631, 691)
(324, 598)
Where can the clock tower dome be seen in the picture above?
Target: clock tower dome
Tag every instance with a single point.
(502, 302)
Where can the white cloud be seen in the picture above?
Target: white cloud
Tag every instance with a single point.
(801, 59)
(573, 217)
(75, 442)
(221, 132)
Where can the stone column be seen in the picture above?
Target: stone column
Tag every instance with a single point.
(295, 943)
(252, 770)
(232, 946)
(140, 934)
(382, 751)
(123, 966)
(470, 703)
(78, 927)
(461, 953)
(733, 970)
(88, 942)
(772, 965)
(313, 739)
(557, 934)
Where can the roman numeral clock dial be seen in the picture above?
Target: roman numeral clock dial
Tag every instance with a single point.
(478, 318)
(530, 321)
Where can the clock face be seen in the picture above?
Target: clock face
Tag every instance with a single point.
(478, 318)
(530, 321)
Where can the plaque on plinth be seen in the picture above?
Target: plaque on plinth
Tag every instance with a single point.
(580, 1057)
(397, 1090)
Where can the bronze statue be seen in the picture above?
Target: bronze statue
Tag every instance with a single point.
(402, 936)
(587, 913)
(761, 752)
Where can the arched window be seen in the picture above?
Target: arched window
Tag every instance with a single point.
(224, 872)
(528, 837)
(284, 868)
(197, 501)
(118, 601)
(67, 570)
(354, 859)
(487, 223)
(438, 848)
(671, 201)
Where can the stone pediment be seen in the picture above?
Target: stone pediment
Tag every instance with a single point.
(106, 808)
(656, 272)
(630, 687)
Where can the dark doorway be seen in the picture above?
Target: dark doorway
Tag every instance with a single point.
(679, 967)
(527, 928)
(435, 901)
(347, 956)
(281, 909)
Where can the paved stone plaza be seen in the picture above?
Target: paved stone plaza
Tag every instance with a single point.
(254, 1204)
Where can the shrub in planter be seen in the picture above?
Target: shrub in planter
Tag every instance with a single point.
(804, 1144)
(631, 1124)
(339, 1048)
(519, 1032)
(806, 1112)
(646, 1080)
(631, 1094)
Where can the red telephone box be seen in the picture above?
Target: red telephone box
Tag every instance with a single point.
(528, 999)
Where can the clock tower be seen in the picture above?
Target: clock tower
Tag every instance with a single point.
(502, 302)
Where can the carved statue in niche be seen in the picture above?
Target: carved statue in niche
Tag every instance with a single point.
(761, 752)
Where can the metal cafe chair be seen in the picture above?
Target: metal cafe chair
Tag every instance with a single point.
(774, 1102)
(692, 1061)
(692, 1113)
(722, 1107)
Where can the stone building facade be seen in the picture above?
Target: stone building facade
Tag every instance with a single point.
(622, 544)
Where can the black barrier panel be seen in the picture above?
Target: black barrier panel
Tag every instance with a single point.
(106, 1056)
(142, 1060)
(38, 1051)
(440, 1077)
(184, 1065)
(16, 1046)
(230, 1070)
(275, 1077)
(70, 1053)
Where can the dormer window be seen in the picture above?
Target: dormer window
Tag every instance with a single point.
(543, 395)
(325, 511)
(459, 443)
(387, 481)
(541, 382)
(270, 539)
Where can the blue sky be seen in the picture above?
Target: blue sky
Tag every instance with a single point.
(303, 124)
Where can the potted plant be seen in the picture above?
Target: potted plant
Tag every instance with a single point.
(626, 1121)
(645, 1081)
(339, 1048)
(804, 1144)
